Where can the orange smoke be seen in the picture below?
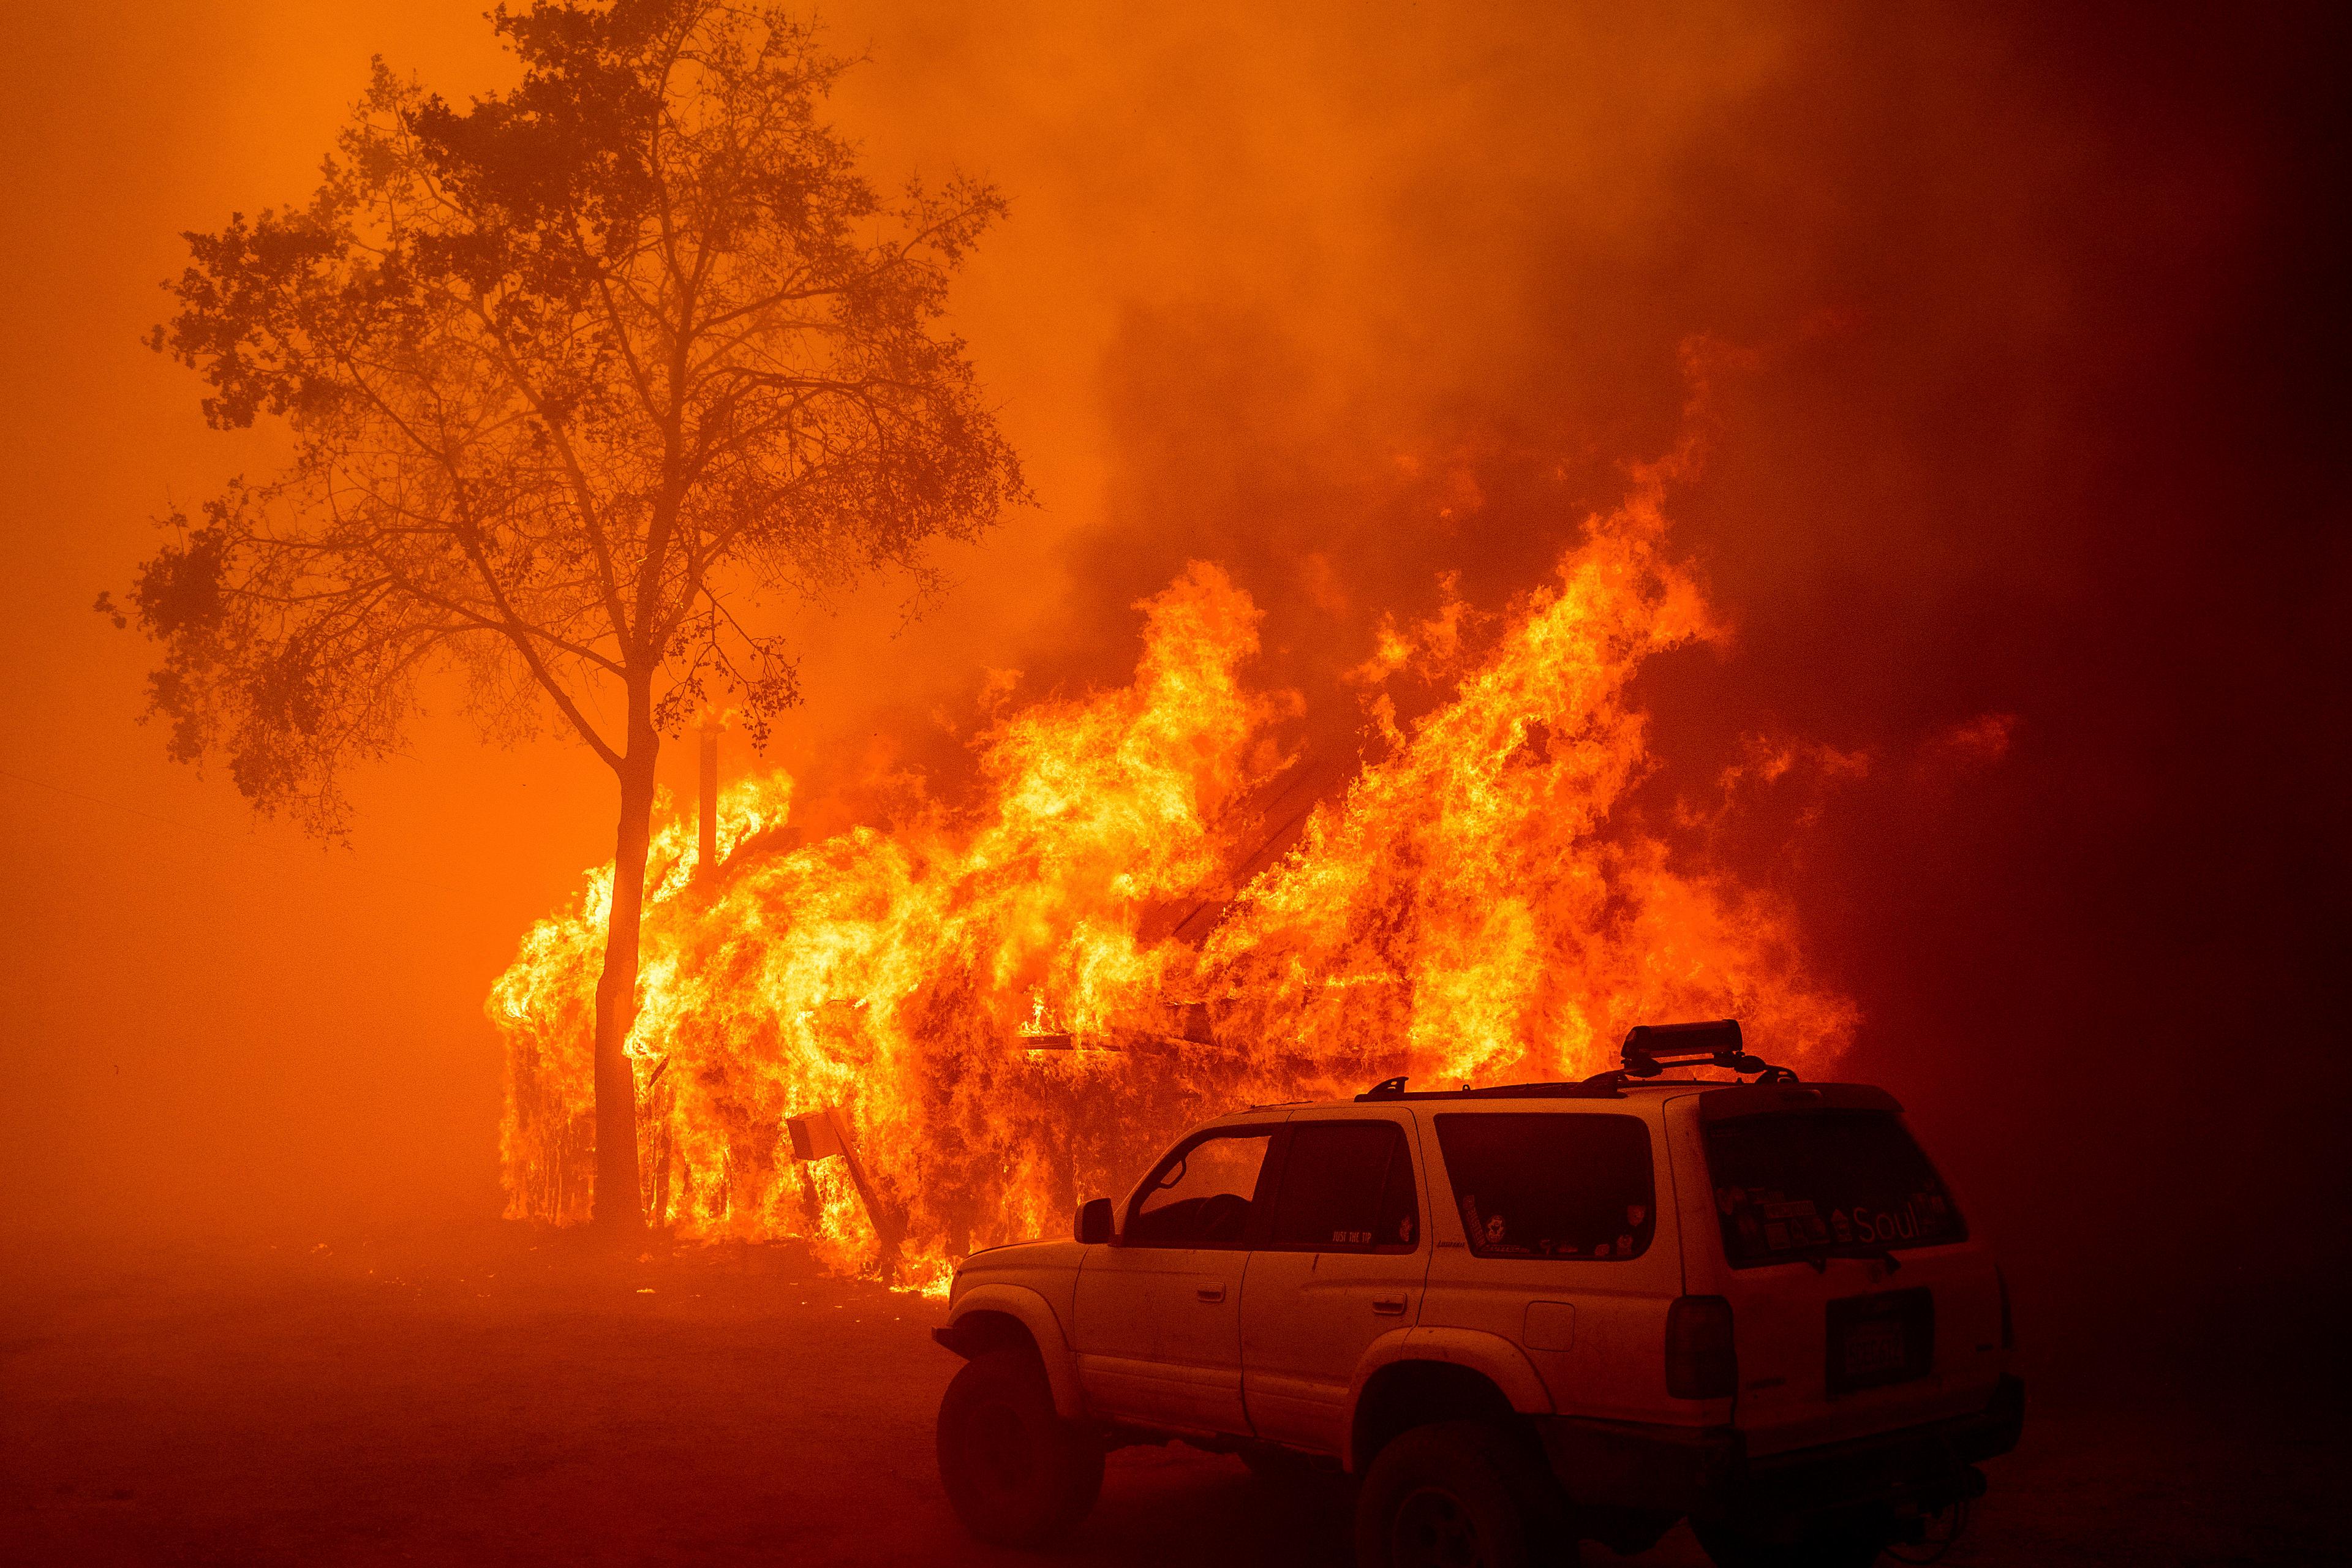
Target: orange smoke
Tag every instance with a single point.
(1012, 1004)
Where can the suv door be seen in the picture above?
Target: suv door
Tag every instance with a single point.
(1548, 1233)
(1158, 1313)
(1342, 1263)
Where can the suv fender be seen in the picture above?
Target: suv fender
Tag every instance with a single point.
(1491, 1356)
(967, 1334)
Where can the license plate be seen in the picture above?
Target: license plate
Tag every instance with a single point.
(1873, 1349)
(1876, 1340)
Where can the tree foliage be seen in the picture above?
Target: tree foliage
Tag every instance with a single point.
(579, 379)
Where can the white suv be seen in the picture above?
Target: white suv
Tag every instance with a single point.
(1522, 1316)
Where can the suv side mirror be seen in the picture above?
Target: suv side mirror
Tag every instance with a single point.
(1094, 1221)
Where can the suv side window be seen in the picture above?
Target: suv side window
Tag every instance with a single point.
(1347, 1187)
(1204, 1194)
(1553, 1184)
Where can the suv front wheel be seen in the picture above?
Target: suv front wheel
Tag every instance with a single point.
(1457, 1494)
(1017, 1473)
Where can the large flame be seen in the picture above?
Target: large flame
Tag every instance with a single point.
(1014, 1005)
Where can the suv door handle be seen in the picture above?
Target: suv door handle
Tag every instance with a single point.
(1211, 1292)
(1389, 1306)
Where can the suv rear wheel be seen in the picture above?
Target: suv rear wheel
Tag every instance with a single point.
(1017, 1473)
(1457, 1494)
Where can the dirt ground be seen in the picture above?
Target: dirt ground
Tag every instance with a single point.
(514, 1401)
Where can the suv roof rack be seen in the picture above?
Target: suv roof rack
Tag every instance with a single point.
(1649, 1050)
(1588, 1088)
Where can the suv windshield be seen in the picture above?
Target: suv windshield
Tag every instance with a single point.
(1551, 1185)
(1789, 1184)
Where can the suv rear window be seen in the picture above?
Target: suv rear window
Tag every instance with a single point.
(1552, 1185)
(1786, 1185)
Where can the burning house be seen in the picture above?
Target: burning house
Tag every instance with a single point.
(1156, 905)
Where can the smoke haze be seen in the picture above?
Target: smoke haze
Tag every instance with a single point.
(2008, 342)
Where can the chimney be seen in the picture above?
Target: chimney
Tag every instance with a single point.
(706, 865)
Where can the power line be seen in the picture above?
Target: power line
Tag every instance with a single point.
(247, 841)
(126, 810)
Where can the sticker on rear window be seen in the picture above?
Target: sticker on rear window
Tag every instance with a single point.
(1789, 1184)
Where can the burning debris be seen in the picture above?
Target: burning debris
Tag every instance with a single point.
(1157, 910)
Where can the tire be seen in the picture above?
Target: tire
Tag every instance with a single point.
(1458, 1494)
(1016, 1472)
(1826, 1546)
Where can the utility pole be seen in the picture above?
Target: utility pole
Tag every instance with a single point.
(706, 864)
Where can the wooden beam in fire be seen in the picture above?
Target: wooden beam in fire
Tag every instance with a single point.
(1275, 819)
(1194, 1031)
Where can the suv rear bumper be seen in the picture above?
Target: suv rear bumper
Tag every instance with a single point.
(1706, 1471)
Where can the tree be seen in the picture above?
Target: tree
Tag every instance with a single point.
(575, 379)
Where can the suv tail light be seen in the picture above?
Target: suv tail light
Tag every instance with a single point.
(1701, 1360)
(2008, 1323)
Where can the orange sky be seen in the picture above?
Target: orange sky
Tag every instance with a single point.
(214, 1008)
(1326, 292)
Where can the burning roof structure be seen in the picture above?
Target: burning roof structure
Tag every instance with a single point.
(1157, 905)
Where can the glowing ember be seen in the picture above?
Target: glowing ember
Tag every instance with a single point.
(1006, 1008)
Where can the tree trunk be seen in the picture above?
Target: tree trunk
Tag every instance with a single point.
(618, 1206)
